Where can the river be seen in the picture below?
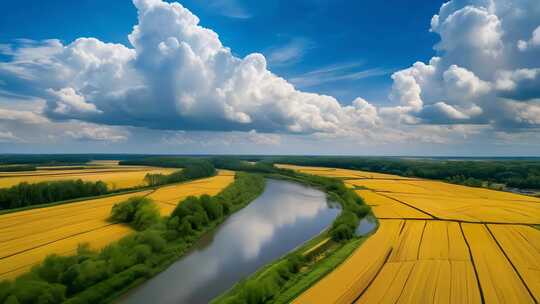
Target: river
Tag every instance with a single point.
(284, 216)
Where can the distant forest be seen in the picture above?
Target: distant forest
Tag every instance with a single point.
(523, 173)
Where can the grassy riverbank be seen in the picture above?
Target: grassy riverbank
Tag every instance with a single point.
(284, 279)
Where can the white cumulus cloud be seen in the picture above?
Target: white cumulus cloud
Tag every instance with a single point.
(177, 75)
(478, 75)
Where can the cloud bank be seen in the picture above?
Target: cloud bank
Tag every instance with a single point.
(177, 75)
(485, 72)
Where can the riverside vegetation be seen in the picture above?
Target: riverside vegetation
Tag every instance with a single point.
(27, 237)
(284, 279)
(97, 277)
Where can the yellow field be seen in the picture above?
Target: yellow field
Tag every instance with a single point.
(522, 246)
(384, 207)
(454, 244)
(347, 281)
(474, 209)
(499, 282)
(342, 173)
(27, 237)
(104, 162)
(116, 178)
(322, 171)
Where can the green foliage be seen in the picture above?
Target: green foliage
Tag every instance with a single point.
(36, 291)
(267, 286)
(344, 226)
(59, 277)
(470, 181)
(140, 212)
(26, 194)
(195, 214)
(212, 207)
(192, 170)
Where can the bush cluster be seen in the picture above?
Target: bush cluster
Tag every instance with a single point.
(195, 214)
(140, 212)
(267, 286)
(354, 208)
(59, 278)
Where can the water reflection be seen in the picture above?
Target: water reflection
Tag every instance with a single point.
(366, 225)
(283, 217)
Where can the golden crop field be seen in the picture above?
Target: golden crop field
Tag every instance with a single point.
(102, 162)
(27, 237)
(346, 282)
(385, 207)
(341, 173)
(322, 171)
(438, 243)
(116, 178)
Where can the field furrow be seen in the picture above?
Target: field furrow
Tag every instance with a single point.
(352, 277)
(499, 282)
(384, 207)
(518, 242)
(451, 257)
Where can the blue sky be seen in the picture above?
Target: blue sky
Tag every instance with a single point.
(474, 92)
(318, 33)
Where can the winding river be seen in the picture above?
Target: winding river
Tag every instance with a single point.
(285, 216)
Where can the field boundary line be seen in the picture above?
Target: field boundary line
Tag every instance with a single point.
(450, 196)
(510, 262)
(58, 240)
(45, 231)
(376, 274)
(420, 242)
(473, 264)
(456, 221)
(17, 269)
(416, 208)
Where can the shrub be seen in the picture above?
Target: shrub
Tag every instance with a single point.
(138, 211)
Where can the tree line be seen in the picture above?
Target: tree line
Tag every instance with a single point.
(523, 174)
(60, 159)
(191, 171)
(94, 277)
(27, 194)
